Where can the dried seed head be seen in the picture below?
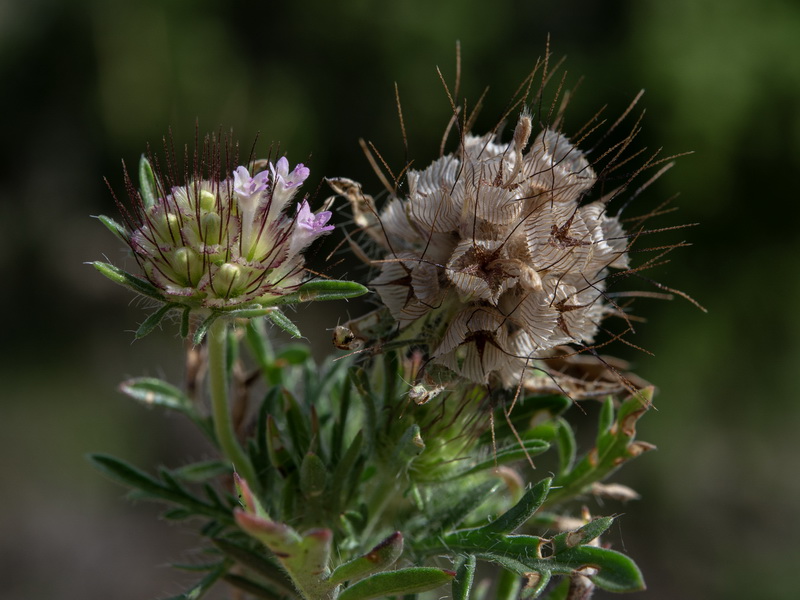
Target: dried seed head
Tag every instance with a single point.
(494, 240)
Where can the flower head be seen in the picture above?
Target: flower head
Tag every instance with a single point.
(221, 239)
(494, 246)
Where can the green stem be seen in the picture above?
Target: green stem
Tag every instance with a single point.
(218, 383)
(377, 506)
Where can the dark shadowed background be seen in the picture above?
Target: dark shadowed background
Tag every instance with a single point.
(86, 83)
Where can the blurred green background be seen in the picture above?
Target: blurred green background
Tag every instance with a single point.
(87, 83)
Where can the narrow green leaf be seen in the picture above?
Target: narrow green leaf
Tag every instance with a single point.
(404, 581)
(258, 343)
(407, 449)
(213, 497)
(294, 354)
(155, 392)
(465, 576)
(282, 321)
(516, 516)
(176, 514)
(194, 567)
(617, 572)
(147, 183)
(260, 458)
(506, 455)
(339, 427)
(205, 584)
(322, 289)
(560, 591)
(278, 454)
(584, 535)
(391, 376)
(171, 482)
(136, 284)
(202, 329)
(361, 382)
(450, 509)
(149, 488)
(154, 320)
(567, 446)
(114, 227)
(123, 473)
(606, 418)
(313, 476)
(265, 566)
(522, 555)
(533, 584)
(212, 529)
(185, 322)
(297, 425)
(255, 589)
(203, 471)
(613, 448)
(380, 558)
(342, 470)
(508, 585)
(251, 311)
(525, 412)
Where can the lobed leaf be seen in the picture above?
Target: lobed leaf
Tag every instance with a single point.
(615, 445)
(616, 572)
(149, 488)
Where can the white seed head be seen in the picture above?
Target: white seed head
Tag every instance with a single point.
(495, 238)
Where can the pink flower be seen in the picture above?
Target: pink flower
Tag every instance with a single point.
(308, 226)
(246, 186)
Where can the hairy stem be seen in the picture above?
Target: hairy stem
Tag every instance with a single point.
(218, 383)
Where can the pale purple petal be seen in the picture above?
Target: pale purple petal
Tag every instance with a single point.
(244, 185)
(314, 223)
(285, 180)
(282, 167)
(298, 176)
(308, 227)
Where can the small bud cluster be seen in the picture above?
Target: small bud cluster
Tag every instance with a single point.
(221, 242)
(496, 238)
